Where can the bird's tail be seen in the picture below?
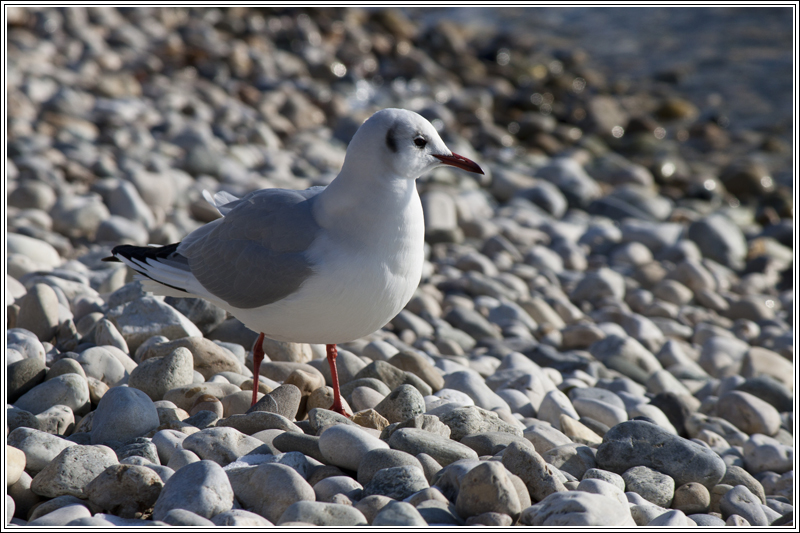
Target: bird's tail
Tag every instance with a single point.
(161, 269)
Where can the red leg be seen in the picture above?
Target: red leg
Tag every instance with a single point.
(337, 397)
(258, 356)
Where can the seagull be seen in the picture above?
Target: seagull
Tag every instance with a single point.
(325, 265)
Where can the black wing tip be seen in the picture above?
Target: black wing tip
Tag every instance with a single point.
(129, 251)
(111, 259)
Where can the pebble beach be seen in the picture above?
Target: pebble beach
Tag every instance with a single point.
(603, 334)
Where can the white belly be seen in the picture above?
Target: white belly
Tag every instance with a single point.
(352, 294)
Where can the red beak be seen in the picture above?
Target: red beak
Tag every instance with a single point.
(459, 161)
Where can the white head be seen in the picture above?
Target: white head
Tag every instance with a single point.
(402, 144)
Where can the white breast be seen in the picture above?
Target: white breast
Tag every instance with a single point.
(358, 286)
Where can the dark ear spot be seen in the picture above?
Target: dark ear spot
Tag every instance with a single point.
(390, 142)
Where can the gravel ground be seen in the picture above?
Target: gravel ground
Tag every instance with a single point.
(604, 330)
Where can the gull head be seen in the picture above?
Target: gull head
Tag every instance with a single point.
(401, 144)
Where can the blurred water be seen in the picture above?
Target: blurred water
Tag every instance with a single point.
(736, 59)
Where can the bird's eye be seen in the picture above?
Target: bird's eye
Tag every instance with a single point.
(420, 142)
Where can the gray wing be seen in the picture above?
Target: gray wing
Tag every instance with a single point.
(255, 255)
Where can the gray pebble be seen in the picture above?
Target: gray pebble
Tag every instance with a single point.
(124, 413)
(396, 482)
(72, 470)
(269, 489)
(402, 403)
(61, 516)
(740, 501)
(183, 517)
(442, 449)
(202, 488)
(639, 443)
(469, 420)
(125, 490)
(577, 509)
(344, 446)
(22, 376)
(156, 376)
(40, 448)
(68, 389)
(322, 514)
(240, 518)
(652, 485)
(399, 514)
(222, 445)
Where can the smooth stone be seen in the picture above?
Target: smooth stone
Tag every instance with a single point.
(577, 509)
(123, 413)
(488, 488)
(72, 470)
(205, 315)
(706, 520)
(442, 449)
(252, 423)
(603, 412)
(492, 442)
(578, 432)
(208, 357)
(38, 312)
(472, 419)
(719, 239)
(344, 445)
(650, 484)
(573, 458)
(326, 489)
(370, 506)
(156, 376)
(475, 387)
(240, 518)
(223, 445)
(740, 501)
(639, 443)
(183, 517)
(418, 365)
(749, 413)
(674, 518)
(402, 403)
(269, 489)
(397, 482)
(322, 514)
(22, 376)
(181, 458)
(399, 514)
(286, 401)
(26, 343)
(71, 390)
(322, 419)
(142, 318)
(605, 475)
(736, 475)
(184, 397)
(598, 486)
(125, 490)
(298, 442)
(202, 488)
(61, 516)
(692, 498)
(58, 420)
(103, 363)
(543, 436)
(763, 453)
(39, 448)
(15, 464)
(365, 398)
(376, 460)
(528, 464)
